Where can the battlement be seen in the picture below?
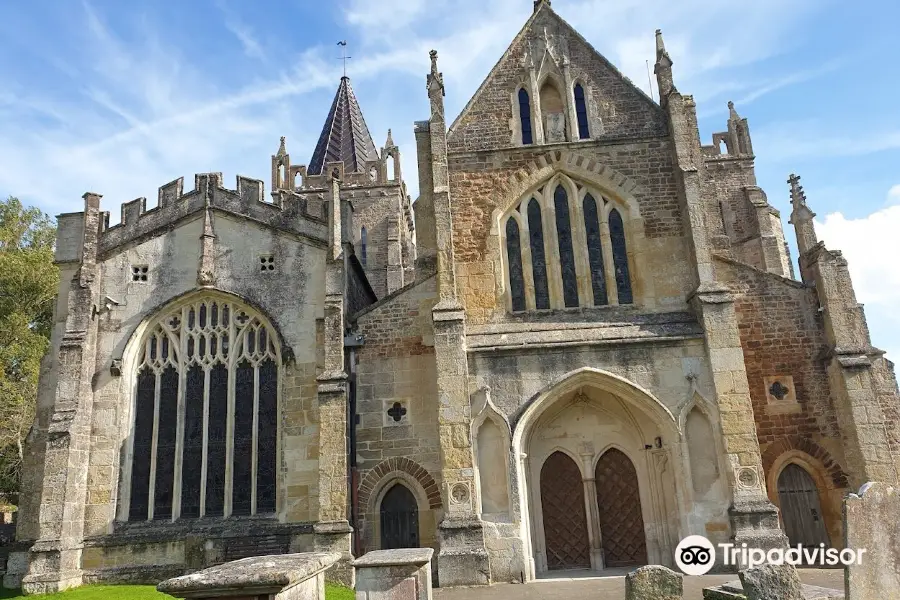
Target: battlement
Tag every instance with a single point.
(292, 213)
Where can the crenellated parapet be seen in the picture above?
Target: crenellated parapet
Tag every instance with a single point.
(300, 215)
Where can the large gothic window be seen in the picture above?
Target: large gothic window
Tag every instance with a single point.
(595, 254)
(205, 414)
(581, 112)
(525, 116)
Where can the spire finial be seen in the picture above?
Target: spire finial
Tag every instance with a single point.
(538, 3)
(434, 68)
(390, 140)
(798, 196)
(732, 112)
(435, 78)
(282, 150)
(344, 57)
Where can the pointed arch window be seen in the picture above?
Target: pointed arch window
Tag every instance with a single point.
(525, 117)
(206, 368)
(538, 257)
(566, 252)
(363, 241)
(590, 246)
(620, 257)
(581, 112)
(516, 274)
(595, 250)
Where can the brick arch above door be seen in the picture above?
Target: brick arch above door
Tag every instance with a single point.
(396, 464)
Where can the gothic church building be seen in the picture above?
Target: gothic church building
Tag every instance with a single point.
(584, 341)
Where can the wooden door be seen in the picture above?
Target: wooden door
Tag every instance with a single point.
(619, 503)
(565, 522)
(801, 511)
(399, 519)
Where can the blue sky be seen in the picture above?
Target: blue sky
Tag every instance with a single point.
(120, 98)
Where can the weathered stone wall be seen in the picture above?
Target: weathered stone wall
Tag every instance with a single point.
(783, 339)
(397, 367)
(374, 209)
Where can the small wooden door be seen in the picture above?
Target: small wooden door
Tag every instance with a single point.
(619, 503)
(565, 522)
(399, 519)
(801, 511)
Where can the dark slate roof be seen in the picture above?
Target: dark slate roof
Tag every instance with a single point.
(345, 136)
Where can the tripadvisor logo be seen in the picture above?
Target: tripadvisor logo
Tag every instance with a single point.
(696, 555)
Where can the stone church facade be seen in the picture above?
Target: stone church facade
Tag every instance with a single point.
(582, 343)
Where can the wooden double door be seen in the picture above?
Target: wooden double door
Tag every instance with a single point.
(565, 514)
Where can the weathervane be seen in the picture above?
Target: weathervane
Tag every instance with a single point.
(344, 57)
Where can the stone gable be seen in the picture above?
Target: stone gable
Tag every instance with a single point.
(617, 108)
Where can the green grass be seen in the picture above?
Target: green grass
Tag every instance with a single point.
(138, 592)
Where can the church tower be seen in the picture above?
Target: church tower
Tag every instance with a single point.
(381, 228)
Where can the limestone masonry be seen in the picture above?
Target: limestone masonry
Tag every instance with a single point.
(582, 343)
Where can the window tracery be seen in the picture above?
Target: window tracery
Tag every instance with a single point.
(588, 244)
(205, 415)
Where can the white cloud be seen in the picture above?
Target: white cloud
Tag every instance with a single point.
(871, 246)
(894, 194)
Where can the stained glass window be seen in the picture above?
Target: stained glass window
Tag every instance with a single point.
(620, 257)
(581, 112)
(525, 116)
(595, 250)
(224, 390)
(538, 257)
(516, 274)
(566, 254)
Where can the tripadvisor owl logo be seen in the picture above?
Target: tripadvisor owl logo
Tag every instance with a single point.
(695, 555)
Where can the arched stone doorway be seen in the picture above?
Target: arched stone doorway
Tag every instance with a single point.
(583, 417)
(565, 522)
(619, 508)
(801, 509)
(399, 519)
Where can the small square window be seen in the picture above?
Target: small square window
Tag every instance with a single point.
(266, 263)
(139, 272)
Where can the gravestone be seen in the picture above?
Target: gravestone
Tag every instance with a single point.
(394, 574)
(282, 577)
(772, 582)
(654, 582)
(872, 523)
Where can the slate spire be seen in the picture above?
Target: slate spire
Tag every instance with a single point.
(345, 136)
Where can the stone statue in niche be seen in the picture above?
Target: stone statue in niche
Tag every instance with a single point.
(555, 128)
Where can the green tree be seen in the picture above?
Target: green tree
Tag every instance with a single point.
(28, 285)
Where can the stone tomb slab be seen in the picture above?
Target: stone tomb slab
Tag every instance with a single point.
(403, 574)
(280, 577)
(733, 590)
